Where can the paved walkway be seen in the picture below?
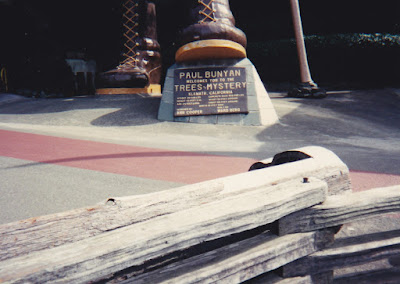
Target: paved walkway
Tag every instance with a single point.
(59, 154)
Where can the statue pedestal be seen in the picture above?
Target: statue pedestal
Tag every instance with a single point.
(227, 91)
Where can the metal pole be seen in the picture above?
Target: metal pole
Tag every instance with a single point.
(307, 87)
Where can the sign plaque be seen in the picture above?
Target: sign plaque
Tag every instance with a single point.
(213, 90)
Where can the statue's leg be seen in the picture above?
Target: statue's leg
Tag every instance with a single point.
(210, 32)
(141, 65)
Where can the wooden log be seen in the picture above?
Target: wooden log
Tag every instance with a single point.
(240, 261)
(26, 236)
(342, 209)
(386, 276)
(92, 259)
(347, 252)
(324, 164)
(395, 261)
(273, 278)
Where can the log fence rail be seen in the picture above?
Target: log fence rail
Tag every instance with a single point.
(276, 224)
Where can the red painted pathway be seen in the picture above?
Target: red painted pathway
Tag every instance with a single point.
(158, 164)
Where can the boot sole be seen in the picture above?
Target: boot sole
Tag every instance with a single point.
(210, 49)
(153, 90)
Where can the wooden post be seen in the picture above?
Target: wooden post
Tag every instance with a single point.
(305, 74)
(3, 79)
(307, 88)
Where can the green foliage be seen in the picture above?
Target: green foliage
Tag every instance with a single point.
(278, 47)
(354, 40)
(359, 59)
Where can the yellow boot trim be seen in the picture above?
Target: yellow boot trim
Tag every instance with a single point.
(210, 49)
(153, 90)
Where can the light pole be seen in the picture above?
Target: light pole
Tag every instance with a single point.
(307, 88)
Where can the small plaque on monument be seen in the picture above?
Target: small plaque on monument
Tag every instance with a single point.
(213, 90)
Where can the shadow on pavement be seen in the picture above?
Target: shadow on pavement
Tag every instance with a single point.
(140, 111)
(154, 155)
(121, 110)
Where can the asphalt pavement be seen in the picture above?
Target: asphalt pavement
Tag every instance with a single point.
(63, 153)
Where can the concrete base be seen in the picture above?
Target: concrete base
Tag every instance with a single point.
(261, 110)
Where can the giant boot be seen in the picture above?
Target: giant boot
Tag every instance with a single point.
(140, 70)
(210, 32)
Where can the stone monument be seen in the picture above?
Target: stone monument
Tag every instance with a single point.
(216, 91)
(212, 80)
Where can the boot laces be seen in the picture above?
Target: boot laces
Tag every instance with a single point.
(207, 12)
(130, 25)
